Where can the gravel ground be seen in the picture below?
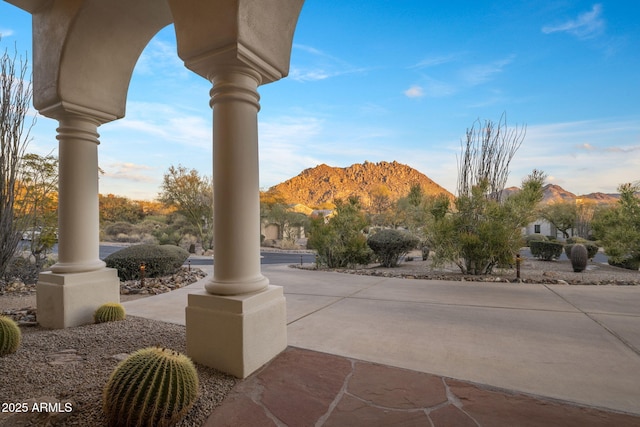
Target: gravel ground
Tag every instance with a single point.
(71, 366)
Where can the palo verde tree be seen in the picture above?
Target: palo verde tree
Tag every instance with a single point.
(483, 229)
(192, 196)
(15, 99)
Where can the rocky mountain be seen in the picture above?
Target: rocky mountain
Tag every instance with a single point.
(553, 193)
(323, 184)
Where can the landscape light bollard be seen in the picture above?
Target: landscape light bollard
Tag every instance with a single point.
(300, 259)
(142, 275)
(518, 266)
(189, 262)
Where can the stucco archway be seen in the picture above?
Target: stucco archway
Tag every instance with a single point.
(84, 52)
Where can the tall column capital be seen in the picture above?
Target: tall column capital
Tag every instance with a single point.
(235, 84)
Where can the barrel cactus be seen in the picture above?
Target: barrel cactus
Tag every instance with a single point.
(152, 387)
(579, 257)
(109, 312)
(10, 336)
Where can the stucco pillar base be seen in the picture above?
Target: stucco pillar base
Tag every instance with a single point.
(236, 334)
(68, 300)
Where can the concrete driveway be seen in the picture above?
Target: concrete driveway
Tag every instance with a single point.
(575, 343)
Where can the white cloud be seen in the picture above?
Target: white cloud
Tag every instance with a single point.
(586, 25)
(6, 32)
(584, 156)
(414, 92)
(311, 64)
(482, 73)
(129, 171)
(286, 147)
(435, 61)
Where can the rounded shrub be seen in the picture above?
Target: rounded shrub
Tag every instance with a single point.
(109, 312)
(546, 251)
(152, 387)
(534, 237)
(579, 257)
(628, 263)
(389, 245)
(10, 336)
(158, 260)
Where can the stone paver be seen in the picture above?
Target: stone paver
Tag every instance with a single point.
(306, 388)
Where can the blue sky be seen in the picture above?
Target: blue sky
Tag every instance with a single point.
(398, 80)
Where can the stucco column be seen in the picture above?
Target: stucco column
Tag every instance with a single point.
(235, 103)
(78, 209)
(79, 282)
(238, 323)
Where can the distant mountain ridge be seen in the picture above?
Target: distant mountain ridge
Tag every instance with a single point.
(553, 193)
(324, 184)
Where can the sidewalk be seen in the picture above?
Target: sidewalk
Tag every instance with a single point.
(576, 344)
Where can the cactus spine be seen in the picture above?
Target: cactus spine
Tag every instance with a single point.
(579, 257)
(152, 387)
(109, 312)
(10, 336)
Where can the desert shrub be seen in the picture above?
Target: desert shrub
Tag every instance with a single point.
(577, 239)
(159, 260)
(629, 263)
(389, 245)
(534, 237)
(546, 251)
(118, 228)
(592, 249)
(22, 269)
(341, 243)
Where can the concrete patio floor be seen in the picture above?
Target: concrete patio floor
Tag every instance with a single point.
(573, 344)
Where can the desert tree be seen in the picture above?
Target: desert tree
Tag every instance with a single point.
(563, 216)
(15, 100)
(482, 229)
(36, 203)
(618, 228)
(487, 151)
(192, 196)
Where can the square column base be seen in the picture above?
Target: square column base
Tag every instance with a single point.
(67, 300)
(236, 334)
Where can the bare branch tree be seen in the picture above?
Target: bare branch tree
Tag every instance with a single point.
(15, 100)
(486, 154)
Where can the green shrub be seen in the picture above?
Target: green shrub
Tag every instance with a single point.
(159, 260)
(10, 336)
(546, 251)
(629, 263)
(109, 312)
(152, 387)
(592, 249)
(119, 228)
(577, 239)
(389, 245)
(579, 257)
(534, 237)
(340, 243)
